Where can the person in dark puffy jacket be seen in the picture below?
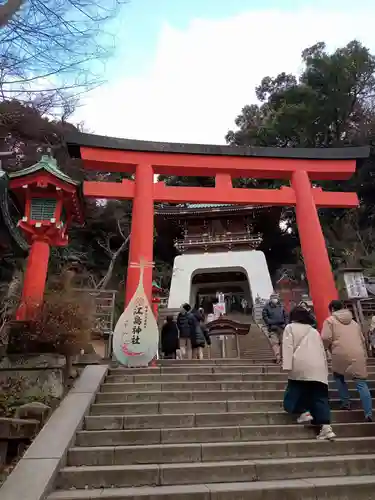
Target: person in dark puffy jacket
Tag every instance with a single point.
(184, 328)
(275, 318)
(198, 333)
(204, 327)
(169, 338)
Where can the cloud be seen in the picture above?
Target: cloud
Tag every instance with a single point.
(203, 75)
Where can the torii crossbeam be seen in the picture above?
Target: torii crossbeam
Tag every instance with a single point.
(299, 166)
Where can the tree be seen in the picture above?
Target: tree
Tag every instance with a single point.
(100, 246)
(8, 10)
(331, 104)
(26, 131)
(54, 47)
(192, 181)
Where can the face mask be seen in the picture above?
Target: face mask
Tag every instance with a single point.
(274, 301)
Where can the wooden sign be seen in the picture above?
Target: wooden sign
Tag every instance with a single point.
(355, 285)
(136, 335)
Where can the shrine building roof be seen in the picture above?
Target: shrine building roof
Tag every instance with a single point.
(76, 139)
(209, 205)
(202, 208)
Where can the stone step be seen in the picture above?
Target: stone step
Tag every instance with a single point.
(219, 361)
(178, 406)
(209, 434)
(206, 414)
(122, 397)
(211, 362)
(335, 488)
(190, 369)
(205, 377)
(239, 402)
(199, 385)
(215, 452)
(188, 377)
(204, 419)
(215, 472)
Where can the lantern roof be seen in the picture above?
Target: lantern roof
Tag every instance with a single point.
(48, 164)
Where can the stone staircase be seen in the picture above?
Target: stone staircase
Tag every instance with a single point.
(212, 430)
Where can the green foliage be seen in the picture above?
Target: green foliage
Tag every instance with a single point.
(329, 105)
(14, 392)
(66, 321)
(63, 324)
(175, 180)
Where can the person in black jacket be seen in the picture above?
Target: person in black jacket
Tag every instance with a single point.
(199, 334)
(169, 338)
(184, 328)
(275, 318)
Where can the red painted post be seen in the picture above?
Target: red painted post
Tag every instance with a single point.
(318, 268)
(142, 231)
(155, 307)
(35, 279)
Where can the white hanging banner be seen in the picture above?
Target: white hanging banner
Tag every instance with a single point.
(219, 309)
(136, 335)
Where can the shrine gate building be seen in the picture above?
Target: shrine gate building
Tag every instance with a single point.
(219, 250)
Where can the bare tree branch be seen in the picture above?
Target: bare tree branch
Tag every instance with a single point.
(50, 45)
(121, 231)
(107, 277)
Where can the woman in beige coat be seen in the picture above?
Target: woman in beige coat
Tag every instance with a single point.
(304, 359)
(344, 338)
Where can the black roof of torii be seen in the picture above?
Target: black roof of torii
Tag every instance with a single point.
(76, 139)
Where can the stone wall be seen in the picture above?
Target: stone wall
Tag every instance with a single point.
(41, 376)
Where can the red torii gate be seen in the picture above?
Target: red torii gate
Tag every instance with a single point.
(300, 166)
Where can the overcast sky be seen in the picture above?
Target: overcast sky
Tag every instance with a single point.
(185, 68)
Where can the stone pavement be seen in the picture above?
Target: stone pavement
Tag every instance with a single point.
(212, 430)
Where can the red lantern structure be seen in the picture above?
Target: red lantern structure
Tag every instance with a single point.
(51, 201)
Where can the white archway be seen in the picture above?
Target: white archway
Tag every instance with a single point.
(252, 262)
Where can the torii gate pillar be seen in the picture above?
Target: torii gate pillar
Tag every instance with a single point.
(318, 268)
(142, 232)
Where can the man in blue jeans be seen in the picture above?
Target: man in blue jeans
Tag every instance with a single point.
(343, 337)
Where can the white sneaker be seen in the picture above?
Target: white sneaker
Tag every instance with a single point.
(326, 433)
(305, 418)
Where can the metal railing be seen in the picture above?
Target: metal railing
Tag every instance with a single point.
(104, 301)
(218, 240)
